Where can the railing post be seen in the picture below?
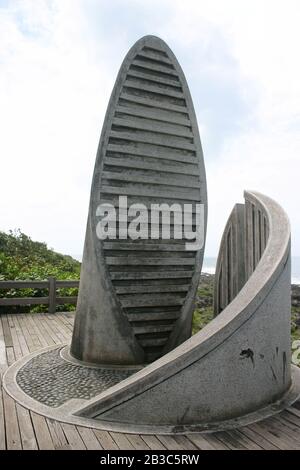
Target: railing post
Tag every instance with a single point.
(52, 294)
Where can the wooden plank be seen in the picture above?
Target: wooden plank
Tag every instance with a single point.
(34, 329)
(62, 319)
(36, 318)
(10, 356)
(24, 301)
(169, 442)
(32, 343)
(42, 433)
(294, 411)
(184, 442)
(56, 329)
(279, 428)
(66, 283)
(6, 332)
(16, 344)
(152, 442)
(23, 284)
(266, 432)
(291, 417)
(230, 441)
(73, 437)
(137, 442)
(257, 438)
(13, 438)
(296, 405)
(57, 435)
(3, 360)
(59, 326)
(244, 440)
(52, 294)
(105, 440)
(89, 438)
(21, 337)
(121, 441)
(2, 419)
(213, 439)
(47, 326)
(66, 300)
(203, 442)
(290, 429)
(26, 429)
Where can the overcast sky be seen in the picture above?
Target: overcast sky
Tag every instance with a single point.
(58, 64)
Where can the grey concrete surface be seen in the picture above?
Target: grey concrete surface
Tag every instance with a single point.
(230, 273)
(136, 298)
(238, 364)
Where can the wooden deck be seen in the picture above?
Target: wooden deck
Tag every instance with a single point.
(23, 429)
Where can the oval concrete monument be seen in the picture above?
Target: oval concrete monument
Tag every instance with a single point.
(136, 296)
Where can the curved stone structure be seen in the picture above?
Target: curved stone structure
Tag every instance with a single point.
(136, 298)
(237, 365)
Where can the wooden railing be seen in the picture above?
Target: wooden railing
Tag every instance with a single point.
(52, 284)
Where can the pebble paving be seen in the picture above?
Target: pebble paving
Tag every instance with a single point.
(52, 381)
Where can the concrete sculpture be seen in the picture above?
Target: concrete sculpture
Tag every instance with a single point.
(136, 297)
(132, 365)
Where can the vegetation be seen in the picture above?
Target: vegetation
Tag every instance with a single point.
(203, 313)
(295, 324)
(24, 259)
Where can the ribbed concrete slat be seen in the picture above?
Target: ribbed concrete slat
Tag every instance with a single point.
(161, 140)
(153, 192)
(153, 151)
(148, 54)
(155, 114)
(131, 98)
(156, 67)
(154, 78)
(140, 177)
(140, 163)
(153, 126)
(153, 89)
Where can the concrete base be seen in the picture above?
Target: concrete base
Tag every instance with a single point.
(67, 356)
(64, 413)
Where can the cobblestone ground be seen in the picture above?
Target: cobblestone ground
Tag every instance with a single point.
(52, 381)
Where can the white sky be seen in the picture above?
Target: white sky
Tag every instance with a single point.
(58, 64)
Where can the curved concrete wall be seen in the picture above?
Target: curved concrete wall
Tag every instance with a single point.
(236, 365)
